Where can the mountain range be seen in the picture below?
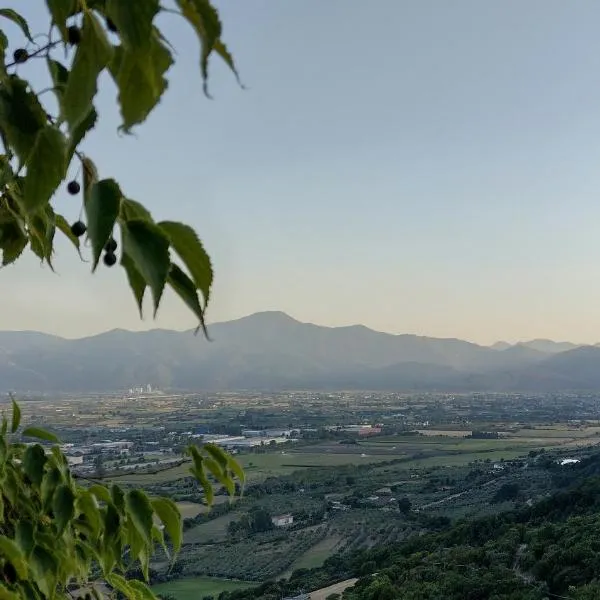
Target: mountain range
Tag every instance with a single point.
(272, 351)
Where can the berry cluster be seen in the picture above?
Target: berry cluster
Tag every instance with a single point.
(78, 228)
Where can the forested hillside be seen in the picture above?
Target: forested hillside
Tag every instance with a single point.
(548, 550)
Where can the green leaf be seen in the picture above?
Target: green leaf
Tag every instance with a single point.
(136, 282)
(221, 49)
(91, 57)
(21, 116)
(16, 417)
(236, 468)
(102, 209)
(142, 590)
(24, 536)
(63, 506)
(41, 434)
(220, 475)
(133, 21)
(79, 132)
(118, 497)
(184, 287)
(41, 234)
(15, 17)
(140, 80)
(6, 594)
(191, 251)
(120, 584)
(101, 492)
(140, 512)
(45, 168)
(130, 210)
(12, 241)
(169, 514)
(60, 76)
(34, 459)
(218, 454)
(60, 10)
(10, 551)
(204, 18)
(52, 479)
(87, 504)
(148, 248)
(112, 522)
(200, 475)
(43, 567)
(63, 225)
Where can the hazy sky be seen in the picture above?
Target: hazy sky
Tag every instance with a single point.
(426, 167)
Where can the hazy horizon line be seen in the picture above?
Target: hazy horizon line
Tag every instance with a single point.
(191, 330)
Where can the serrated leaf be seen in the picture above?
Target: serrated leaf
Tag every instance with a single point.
(136, 282)
(79, 132)
(142, 590)
(92, 55)
(188, 246)
(16, 416)
(184, 287)
(133, 21)
(45, 168)
(60, 10)
(204, 18)
(34, 459)
(200, 475)
(169, 514)
(131, 209)
(120, 584)
(148, 248)
(41, 234)
(140, 80)
(221, 49)
(10, 551)
(140, 511)
(63, 506)
(21, 116)
(12, 242)
(15, 17)
(112, 522)
(40, 434)
(220, 475)
(102, 209)
(63, 226)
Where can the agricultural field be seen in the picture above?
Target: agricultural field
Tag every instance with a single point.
(196, 588)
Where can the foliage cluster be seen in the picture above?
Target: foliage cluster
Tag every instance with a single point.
(41, 136)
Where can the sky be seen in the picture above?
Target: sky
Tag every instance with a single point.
(424, 167)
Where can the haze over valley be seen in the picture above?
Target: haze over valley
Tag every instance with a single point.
(273, 351)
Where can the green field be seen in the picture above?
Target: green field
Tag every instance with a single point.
(315, 556)
(215, 530)
(198, 587)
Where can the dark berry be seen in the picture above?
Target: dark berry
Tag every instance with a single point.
(73, 187)
(110, 258)
(74, 35)
(111, 245)
(20, 55)
(111, 25)
(78, 228)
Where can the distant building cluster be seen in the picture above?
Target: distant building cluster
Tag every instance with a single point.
(356, 429)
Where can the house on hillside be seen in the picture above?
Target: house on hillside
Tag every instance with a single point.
(282, 520)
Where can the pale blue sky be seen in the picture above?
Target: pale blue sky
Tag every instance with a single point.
(426, 167)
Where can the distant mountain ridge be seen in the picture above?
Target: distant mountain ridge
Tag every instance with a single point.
(273, 351)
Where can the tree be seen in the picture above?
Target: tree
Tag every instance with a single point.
(41, 136)
(58, 535)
